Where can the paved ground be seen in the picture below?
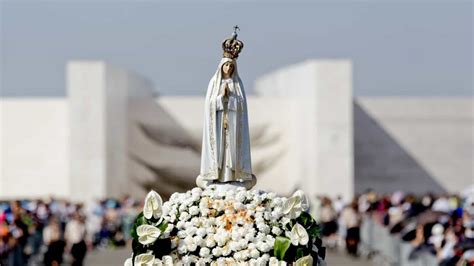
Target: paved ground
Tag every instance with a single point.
(117, 257)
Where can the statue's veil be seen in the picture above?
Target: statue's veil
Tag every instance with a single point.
(209, 169)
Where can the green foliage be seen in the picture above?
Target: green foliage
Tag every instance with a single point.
(159, 248)
(290, 253)
(300, 252)
(311, 226)
(138, 221)
(314, 231)
(163, 226)
(280, 247)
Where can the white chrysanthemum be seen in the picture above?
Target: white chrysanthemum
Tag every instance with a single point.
(167, 260)
(226, 251)
(298, 235)
(147, 234)
(184, 216)
(182, 247)
(276, 230)
(194, 210)
(273, 262)
(153, 206)
(217, 252)
(128, 262)
(204, 252)
(201, 232)
(210, 242)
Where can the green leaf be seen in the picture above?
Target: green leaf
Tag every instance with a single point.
(281, 246)
(314, 231)
(163, 226)
(306, 220)
(138, 221)
(299, 252)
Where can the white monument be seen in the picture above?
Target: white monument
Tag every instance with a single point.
(317, 120)
(98, 109)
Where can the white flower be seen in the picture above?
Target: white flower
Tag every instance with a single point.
(182, 247)
(217, 252)
(237, 256)
(147, 234)
(292, 207)
(245, 254)
(276, 230)
(153, 206)
(194, 210)
(128, 262)
(264, 228)
(273, 261)
(229, 261)
(233, 245)
(210, 243)
(145, 259)
(201, 232)
(270, 240)
(285, 220)
(184, 216)
(304, 199)
(204, 252)
(298, 235)
(167, 260)
(254, 253)
(169, 228)
(226, 250)
(305, 261)
(188, 259)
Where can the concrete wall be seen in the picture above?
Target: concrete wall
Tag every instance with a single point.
(98, 112)
(111, 136)
(34, 159)
(317, 123)
(416, 144)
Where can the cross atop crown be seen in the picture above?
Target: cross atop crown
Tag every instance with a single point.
(232, 46)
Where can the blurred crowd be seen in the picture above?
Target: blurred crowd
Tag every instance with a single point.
(50, 232)
(442, 225)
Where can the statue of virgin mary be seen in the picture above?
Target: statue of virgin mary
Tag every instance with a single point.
(225, 157)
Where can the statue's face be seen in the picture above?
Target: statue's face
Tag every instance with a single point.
(228, 68)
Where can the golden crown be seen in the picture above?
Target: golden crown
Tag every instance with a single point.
(231, 46)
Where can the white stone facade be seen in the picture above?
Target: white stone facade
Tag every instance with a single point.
(111, 136)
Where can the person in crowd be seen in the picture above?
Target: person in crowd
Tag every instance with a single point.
(55, 245)
(75, 236)
(351, 221)
(329, 223)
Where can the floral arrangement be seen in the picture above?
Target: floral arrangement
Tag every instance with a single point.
(226, 227)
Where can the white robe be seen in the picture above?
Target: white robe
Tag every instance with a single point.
(238, 158)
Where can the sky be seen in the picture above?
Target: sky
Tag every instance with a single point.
(398, 48)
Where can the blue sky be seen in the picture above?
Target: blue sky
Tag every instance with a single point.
(397, 47)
